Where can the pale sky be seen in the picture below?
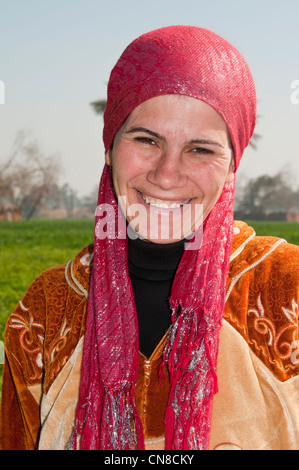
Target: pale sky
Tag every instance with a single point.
(56, 56)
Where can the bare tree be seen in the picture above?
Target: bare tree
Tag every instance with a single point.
(27, 176)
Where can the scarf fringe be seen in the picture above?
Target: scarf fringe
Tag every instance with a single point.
(121, 427)
(190, 355)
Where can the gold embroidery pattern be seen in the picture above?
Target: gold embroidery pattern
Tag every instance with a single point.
(31, 340)
(277, 345)
(262, 303)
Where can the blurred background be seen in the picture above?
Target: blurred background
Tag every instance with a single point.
(55, 60)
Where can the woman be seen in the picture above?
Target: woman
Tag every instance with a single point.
(119, 348)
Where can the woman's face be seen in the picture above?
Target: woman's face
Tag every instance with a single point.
(170, 158)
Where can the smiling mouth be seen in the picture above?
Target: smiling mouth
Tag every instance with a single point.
(163, 203)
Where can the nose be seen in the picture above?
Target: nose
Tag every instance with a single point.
(167, 172)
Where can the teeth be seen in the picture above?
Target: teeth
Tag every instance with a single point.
(163, 204)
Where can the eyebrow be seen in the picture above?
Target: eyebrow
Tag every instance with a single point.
(206, 141)
(160, 137)
(147, 131)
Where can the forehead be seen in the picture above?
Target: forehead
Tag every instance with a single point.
(176, 114)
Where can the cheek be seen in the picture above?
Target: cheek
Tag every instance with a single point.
(123, 173)
(119, 178)
(129, 167)
(210, 180)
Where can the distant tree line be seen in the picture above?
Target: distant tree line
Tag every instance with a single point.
(267, 197)
(29, 183)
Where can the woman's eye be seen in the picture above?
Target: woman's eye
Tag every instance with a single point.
(202, 151)
(145, 140)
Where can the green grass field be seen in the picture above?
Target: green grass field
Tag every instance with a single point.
(29, 247)
(288, 231)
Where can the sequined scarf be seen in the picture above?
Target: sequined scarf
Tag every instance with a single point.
(174, 60)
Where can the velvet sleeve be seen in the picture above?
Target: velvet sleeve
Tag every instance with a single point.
(23, 372)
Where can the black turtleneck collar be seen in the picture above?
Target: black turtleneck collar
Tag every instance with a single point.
(154, 261)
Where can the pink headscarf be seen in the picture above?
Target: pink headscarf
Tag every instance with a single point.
(174, 60)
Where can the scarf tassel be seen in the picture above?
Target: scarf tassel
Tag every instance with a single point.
(189, 356)
(122, 429)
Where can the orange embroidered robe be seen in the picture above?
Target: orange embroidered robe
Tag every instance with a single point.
(257, 406)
